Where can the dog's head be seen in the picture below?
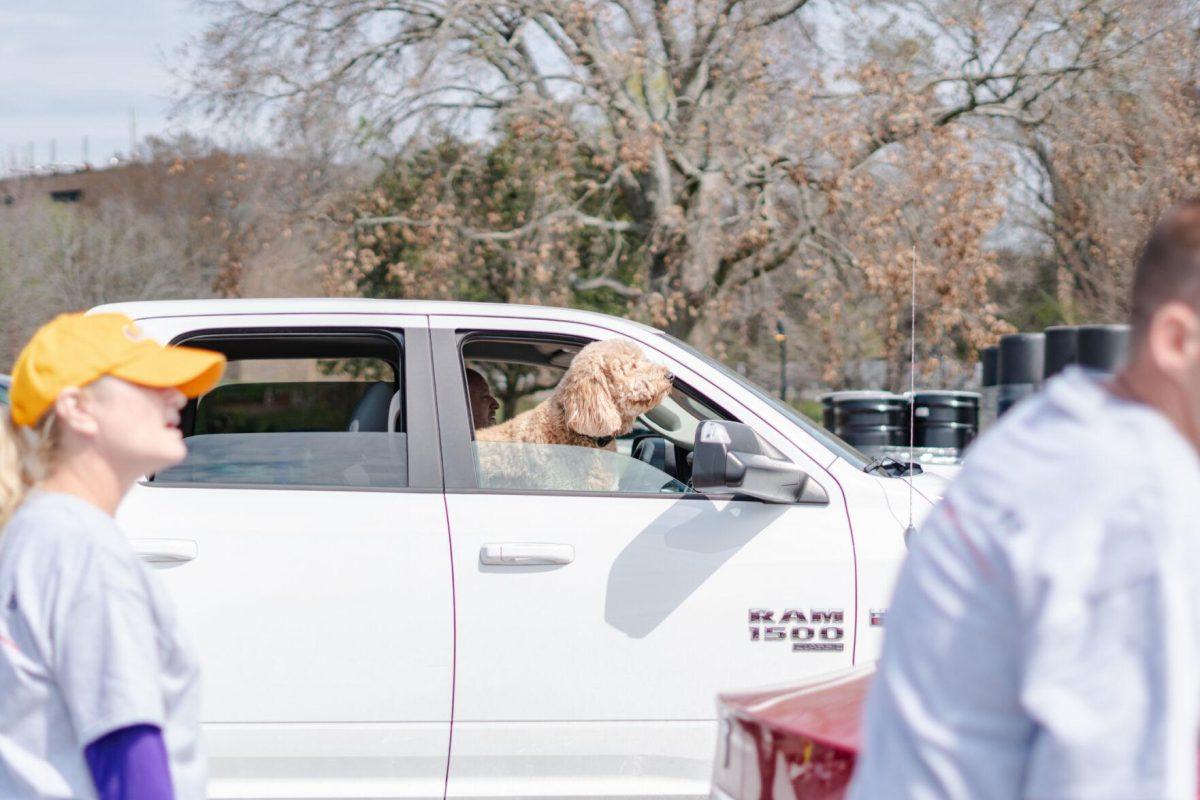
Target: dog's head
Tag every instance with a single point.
(608, 385)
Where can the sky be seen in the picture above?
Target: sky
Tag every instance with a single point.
(75, 68)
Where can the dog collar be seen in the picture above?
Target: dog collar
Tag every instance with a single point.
(602, 441)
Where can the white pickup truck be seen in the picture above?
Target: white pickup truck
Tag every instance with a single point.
(378, 617)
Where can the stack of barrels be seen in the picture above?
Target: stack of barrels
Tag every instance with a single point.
(872, 421)
(947, 421)
(1021, 362)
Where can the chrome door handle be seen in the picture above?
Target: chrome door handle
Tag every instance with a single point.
(525, 554)
(165, 551)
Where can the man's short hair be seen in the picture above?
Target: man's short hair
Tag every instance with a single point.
(1168, 267)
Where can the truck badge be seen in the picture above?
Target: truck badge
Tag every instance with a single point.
(817, 630)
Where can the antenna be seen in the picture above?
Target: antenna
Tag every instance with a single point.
(132, 133)
(912, 390)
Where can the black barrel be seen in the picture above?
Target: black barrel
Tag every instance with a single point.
(1103, 348)
(990, 391)
(1022, 358)
(867, 418)
(945, 418)
(827, 418)
(1061, 349)
(990, 358)
(1022, 362)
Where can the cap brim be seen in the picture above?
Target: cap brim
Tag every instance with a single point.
(189, 369)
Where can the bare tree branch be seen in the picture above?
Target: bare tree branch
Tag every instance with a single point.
(623, 289)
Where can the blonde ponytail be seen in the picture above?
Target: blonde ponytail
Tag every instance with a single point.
(25, 456)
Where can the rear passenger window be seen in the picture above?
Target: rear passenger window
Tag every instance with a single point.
(315, 410)
(286, 396)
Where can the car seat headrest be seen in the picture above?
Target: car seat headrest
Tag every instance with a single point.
(376, 410)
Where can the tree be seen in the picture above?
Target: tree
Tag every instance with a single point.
(56, 258)
(251, 218)
(1116, 153)
(186, 219)
(716, 145)
(475, 222)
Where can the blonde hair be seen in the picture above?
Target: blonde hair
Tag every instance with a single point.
(26, 454)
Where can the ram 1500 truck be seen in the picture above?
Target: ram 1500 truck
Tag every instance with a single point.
(378, 615)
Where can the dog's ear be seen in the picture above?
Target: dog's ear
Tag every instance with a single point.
(586, 396)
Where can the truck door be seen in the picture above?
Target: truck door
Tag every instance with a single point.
(304, 543)
(594, 629)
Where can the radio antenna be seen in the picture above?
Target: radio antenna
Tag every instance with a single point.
(912, 394)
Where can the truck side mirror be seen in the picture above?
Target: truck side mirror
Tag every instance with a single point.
(728, 457)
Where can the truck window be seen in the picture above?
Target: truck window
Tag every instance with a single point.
(287, 396)
(317, 410)
(519, 373)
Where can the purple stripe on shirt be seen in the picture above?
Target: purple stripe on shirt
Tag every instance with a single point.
(130, 764)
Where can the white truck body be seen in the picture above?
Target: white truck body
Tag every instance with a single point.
(354, 645)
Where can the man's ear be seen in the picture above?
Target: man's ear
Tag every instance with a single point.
(72, 408)
(1174, 337)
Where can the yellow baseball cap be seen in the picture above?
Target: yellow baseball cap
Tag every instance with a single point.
(76, 349)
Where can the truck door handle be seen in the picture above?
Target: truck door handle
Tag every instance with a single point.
(525, 554)
(165, 551)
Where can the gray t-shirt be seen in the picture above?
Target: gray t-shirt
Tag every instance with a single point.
(1043, 640)
(89, 644)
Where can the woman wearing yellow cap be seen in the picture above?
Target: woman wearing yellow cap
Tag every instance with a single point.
(98, 687)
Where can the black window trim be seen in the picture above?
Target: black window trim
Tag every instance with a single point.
(418, 404)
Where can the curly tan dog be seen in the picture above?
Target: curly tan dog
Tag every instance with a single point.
(608, 385)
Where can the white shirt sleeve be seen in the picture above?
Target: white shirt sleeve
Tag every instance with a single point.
(1108, 673)
(104, 645)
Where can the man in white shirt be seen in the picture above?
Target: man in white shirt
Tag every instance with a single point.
(1044, 636)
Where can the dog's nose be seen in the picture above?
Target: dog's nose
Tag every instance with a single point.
(670, 376)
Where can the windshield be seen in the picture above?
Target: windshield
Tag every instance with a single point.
(839, 447)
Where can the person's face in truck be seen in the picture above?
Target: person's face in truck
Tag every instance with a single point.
(483, 404)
